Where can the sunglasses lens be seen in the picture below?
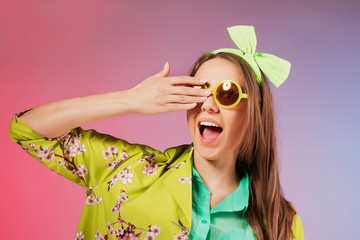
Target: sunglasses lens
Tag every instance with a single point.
(227, 93)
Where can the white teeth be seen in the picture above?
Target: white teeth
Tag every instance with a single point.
(210, 124)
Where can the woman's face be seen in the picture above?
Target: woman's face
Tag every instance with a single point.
(222, 141)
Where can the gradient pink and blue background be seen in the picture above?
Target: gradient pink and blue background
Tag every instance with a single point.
(50, 50)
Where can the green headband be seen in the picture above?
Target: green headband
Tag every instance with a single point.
(275, 69)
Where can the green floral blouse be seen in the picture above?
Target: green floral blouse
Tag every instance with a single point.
(132, 190)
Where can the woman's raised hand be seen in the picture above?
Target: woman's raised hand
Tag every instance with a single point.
(160, 93)
(156, 94)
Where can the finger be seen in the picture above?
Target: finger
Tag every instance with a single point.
(186, 80)
(180, 107)
(183, 99)
(163, 73)
(190, 91)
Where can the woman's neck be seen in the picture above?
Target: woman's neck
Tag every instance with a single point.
(219, 176)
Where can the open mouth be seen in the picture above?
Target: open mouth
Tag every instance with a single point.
(209, 131)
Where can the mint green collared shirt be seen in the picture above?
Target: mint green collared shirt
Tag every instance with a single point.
(226, 220)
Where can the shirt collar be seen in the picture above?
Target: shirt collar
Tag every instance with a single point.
(235, 201)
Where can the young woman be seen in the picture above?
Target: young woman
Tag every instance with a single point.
(223, 186)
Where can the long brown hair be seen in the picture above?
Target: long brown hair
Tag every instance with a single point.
(269, 214)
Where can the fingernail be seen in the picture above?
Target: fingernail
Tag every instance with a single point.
(203, 98)
(202, 81)
(166, 65)
(208, 92)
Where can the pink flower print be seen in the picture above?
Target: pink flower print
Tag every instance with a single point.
(180, 164)
(150, 236)
(69, 149)
(82, 170)
(123, 196)
(107, 154)
(150, 166)
(111, 184)
(74, 171)
(129, 232)
(117, 207)
(79, 236)
(131, 228)
(177, 165)
(150, 169)
(99, 236)
(114, 210)
(110, 229)
(61, 163)
(44, 153)
(110, 152)
(119, 231)
(72, 141)
(186, 179)
(129, 236)
(98, 199)
(74, 146)
(90, 201)
(182, 179)
(49, 157)
(67, 153)
(80, 148)
(32, 145)
(149, 158)
(155, 229)
(48, 154)
(183, 235)
(123, 155)
(116, 177)
(91, 198)
(113, 150)
(110, 165)
(126, 177)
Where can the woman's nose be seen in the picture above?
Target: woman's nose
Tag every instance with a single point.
(210, 105)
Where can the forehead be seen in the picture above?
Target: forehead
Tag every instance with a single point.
(218, 69)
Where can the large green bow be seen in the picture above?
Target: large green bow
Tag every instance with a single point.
(275, 69)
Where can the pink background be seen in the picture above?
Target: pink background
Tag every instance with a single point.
(50, 50)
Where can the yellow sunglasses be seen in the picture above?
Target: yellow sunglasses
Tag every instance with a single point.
(227, 94)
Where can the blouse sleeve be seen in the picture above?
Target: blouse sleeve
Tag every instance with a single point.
(85, 157)
(297, 229)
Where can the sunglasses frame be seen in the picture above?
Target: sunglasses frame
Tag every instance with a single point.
(214, 90)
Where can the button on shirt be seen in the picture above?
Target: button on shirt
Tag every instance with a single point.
(226, 220)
